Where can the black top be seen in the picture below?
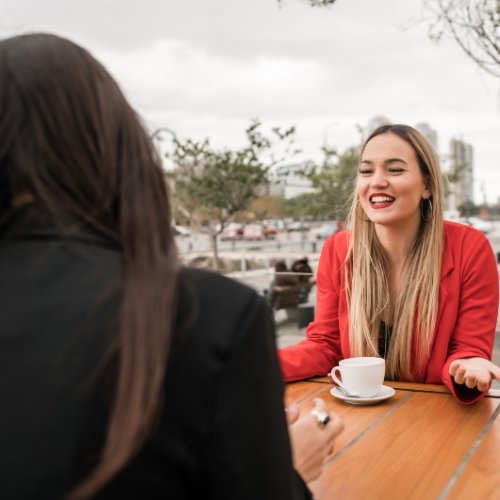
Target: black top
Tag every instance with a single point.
(222, 433)
(384, 339)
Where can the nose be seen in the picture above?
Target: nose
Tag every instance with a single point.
(379, 178)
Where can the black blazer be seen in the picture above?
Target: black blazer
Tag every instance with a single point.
(222, 432)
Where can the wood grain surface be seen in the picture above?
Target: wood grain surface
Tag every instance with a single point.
(420, 443)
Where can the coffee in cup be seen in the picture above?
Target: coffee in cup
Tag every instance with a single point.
(360, 377)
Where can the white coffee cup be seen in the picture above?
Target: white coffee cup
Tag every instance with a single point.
(361, 377)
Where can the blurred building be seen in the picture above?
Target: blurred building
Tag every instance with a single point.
(423, 127)
(288, 180)
(429, 133)
(375, 122)
(461, 169)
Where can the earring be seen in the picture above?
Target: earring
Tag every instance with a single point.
(427, 211)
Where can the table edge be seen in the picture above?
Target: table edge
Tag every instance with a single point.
(410, 386)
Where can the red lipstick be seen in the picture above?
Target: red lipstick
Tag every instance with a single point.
(381, 200)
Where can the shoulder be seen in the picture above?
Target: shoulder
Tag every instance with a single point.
(333, 258)
(463, 236)
(212, 300)
(467, 249)
(211, 284)
(336, 245)
(215, 317)
(339, 241)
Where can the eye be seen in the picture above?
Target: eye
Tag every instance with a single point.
(396, 170)
(365, 171)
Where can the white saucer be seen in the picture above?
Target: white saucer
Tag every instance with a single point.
(385, 393)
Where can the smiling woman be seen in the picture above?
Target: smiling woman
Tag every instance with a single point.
(404, 284)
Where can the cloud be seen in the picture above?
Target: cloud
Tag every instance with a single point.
(205, 68)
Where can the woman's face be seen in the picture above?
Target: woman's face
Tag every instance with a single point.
(390, 184)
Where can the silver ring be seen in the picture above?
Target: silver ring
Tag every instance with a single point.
(321, 416)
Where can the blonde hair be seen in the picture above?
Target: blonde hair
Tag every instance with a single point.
(415, 309)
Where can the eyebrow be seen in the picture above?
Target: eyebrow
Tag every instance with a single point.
(387, 162)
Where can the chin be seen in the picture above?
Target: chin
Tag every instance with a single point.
(382, 222)
(378, 218)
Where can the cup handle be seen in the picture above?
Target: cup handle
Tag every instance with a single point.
(335, 378)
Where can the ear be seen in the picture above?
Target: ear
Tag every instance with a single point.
(427, 192)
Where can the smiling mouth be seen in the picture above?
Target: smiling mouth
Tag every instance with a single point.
(381, 201)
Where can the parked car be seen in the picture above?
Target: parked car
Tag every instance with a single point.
(181, 231)
(270, 231)
(253, 232)
(297, 226)
(233, 231)
(324, 231)
(279, 224)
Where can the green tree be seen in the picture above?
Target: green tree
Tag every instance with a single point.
(267, 207)
(216, 185)
(334, 181)
(303, 206)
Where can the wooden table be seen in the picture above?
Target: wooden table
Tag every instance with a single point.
(421, 443)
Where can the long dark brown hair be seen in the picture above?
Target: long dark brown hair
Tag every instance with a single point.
(71, 140)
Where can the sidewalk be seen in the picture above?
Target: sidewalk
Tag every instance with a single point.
(287, 330)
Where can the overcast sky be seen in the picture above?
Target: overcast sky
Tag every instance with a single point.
(205, 68)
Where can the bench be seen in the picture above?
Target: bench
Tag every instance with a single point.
(293, 299)
(289, 296)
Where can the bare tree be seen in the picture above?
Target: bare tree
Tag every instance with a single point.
(314, 3)
(473, 24)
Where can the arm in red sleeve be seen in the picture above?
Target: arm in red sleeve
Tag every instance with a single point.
(474, 331)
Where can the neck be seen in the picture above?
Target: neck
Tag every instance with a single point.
(397, 240)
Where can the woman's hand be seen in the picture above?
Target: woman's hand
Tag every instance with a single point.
(311, 440)
(474, 372)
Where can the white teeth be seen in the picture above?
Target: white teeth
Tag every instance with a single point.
(381, 199)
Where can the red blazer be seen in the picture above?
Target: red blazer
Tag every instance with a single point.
(466, 322)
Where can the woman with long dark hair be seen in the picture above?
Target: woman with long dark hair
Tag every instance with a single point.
(121, 374)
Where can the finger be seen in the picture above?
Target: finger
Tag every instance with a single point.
(326, 449)
(292, 413)
(336, 426)
(319, 404)
(484, 380)
(315, 474)
(483, 385)
(332, 430)
(454, 367)
(471, 381)
(459, 376)
(319, 411)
